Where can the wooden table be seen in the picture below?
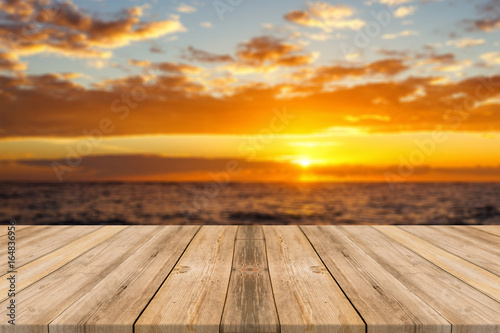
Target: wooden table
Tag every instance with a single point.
(253, 279)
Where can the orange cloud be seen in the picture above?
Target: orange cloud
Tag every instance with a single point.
(66, 30)
(10, 62)
(325, 16)
(176, 103)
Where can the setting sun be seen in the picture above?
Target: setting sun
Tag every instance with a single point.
(303, 162)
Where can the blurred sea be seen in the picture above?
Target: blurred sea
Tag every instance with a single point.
(253, 203)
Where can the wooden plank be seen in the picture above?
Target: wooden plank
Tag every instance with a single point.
(192, 298)
(492, 229)
(480, 252)
(45, 240)
(475, 276)
(464, 307)
(385, 304)
(114, 303)
(250, 232)
(42, 302)
(250, 303)
(37, 269)
(307, 298)
(23, 237)
(480, 237)
(4, 231)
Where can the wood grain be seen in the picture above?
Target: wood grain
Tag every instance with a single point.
(192, 298)
(4, 231)
(114, 304)
(253, 279)
(307, 298)
(492, 229)
(481, 252)
(464, 270)
(250, 232)
(385, 304)
(42, 302)
(467, 309)
(23, 236)
(39, 268)
(35, 245)
(249, 302)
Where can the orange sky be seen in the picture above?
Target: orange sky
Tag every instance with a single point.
(287, 91)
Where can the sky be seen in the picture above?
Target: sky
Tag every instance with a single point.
(236, 90)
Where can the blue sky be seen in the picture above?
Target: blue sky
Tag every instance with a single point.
(436, 22)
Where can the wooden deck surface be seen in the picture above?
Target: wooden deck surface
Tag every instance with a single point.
(393, 279)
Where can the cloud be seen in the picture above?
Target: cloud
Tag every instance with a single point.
(206, 24)
(10, 62)
(154, 167)
(193, 54)
(491, 58)
(218, 100)
(68, 31)
(185, 8)
(177, 68)
(156, 49)
(404, 33)
(465, 42)
(259, 54)
(389, 2)
(456, 66)
(126, 167)
(325, 16)
(491, 17)
(404, 11)
(140, 63)
(266, 53)
(19, 8)
(173, 102)
(433, 58)
(487, 24)
(445, 62)
(389, 67)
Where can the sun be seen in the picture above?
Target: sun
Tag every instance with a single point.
(303, 162)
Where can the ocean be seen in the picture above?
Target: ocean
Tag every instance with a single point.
(250, 203)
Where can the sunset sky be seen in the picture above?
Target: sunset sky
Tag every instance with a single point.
(240, 90)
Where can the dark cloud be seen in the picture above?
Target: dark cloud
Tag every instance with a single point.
(32, 27)
(271, 50)
(387, 67)
(171, 67)
(140, 167)
(156, 49)
(103, 167)
(259, 54)
(490, 20)
(193, 54)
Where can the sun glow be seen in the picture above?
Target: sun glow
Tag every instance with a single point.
(303, 162)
